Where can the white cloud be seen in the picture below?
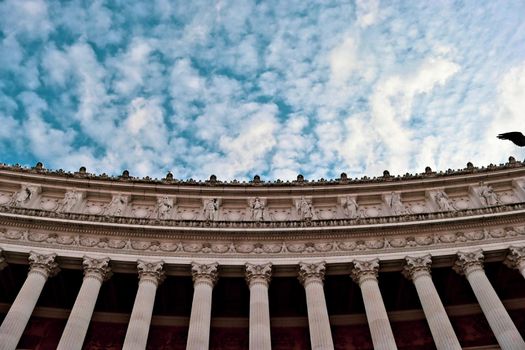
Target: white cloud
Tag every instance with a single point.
(367, 12)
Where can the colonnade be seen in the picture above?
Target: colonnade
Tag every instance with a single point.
(311, 275)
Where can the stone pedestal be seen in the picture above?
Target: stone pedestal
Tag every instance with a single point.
(471, 265)
(417, 269)
(204, 278)
(365, 274)
(150, 275)
(42, 266)
(258, 278)
(95, 272)
(312, 276)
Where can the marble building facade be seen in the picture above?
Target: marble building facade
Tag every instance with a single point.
(423, 261)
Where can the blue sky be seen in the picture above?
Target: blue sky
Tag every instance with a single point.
(275, 88)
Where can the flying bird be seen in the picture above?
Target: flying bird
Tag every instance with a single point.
(515, 136)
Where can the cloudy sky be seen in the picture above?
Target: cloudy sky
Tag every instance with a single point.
(275, 88)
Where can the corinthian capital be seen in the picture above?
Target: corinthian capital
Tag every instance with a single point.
(417, 266)
(43, 264)
(96, 268)
(151, 271)
(258, 273)
(365, 270)
(311, 272)
(515, 258)
(468, 262)
(207, 273)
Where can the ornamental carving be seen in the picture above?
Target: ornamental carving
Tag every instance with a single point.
(365, 270)
(394, 203)
(309, 272)
(25, 195)
(515, 258)
(304, 209)
(487, 195)
(468, 262)
(350, 207)
(258, 273)
(70, 202)
(151, 271)
(207, 273)
(442, 201)
(97, 268)
(210, 211)
(164, 208)
(117, 206)
(43, 264)
(256, 206)
(417, 266)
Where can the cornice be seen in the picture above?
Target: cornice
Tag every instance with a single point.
(213, 185)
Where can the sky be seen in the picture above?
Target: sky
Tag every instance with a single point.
(274, 88)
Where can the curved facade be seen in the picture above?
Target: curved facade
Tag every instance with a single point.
(432, 260)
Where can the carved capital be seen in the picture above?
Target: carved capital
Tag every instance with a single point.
(151, 271)
(365, 270)
(43, 264)
(515, 258)
(468, 262)
(206, 273)
(417, 266)
(97, 268)
(258, 273)
(309, 272)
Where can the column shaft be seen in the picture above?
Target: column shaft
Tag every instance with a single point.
(382, 336)
(139, 323)
(200, 318)
(435, 314)
(499, 320)
(80, 317)
(260, 338)
(318, 321)
(19, 313)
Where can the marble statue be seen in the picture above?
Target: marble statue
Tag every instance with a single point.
(350, 207)
(487, 196)
(257, 209)
(70, 200)
(164, 207)
(395, 204)
(117, 206)
(305, 209)
(443, 202)
(211, 209)
(25, 195)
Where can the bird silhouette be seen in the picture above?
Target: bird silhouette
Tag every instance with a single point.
(515, 136)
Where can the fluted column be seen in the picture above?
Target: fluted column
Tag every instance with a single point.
(258, 278)
(150, 276)
(471, 265)
(204, 278)
(516, 259)
(312, 276)
(42, 266)
(365, 274)
(417, 269)
(95, 272)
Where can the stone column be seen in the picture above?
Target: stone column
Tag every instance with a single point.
(417, 269)
(516, 259)
(95, 272)
(150, 276)
(312, 276)
(258, 278)
(471, 265)
(42, 266)
(204, 278)
(365, 274)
